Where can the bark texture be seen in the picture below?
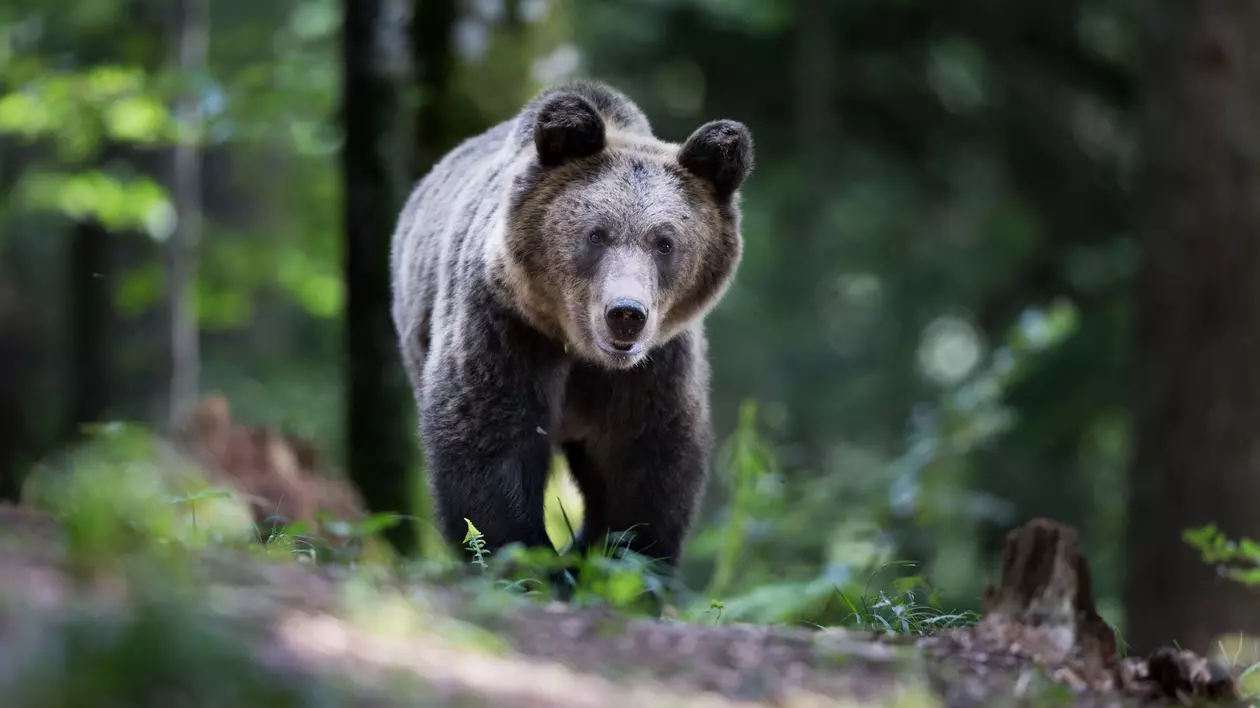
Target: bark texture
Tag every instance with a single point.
(192, 30)
(380, 441)
(91, 315)
(1197, 396)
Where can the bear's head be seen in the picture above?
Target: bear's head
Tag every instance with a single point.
(618, 241)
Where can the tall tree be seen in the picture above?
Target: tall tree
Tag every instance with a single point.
(98, 254)
(380, 442)
(433, 73)
(191, 38)
(433, 59)
(1197, 404)
(90, 284)
(17, 356)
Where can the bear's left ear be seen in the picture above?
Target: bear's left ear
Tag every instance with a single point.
(567, 127)
(721, 153)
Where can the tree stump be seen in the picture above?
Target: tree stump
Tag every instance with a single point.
(1044, 606)
(1044, 609)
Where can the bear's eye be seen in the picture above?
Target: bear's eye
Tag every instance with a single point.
(664, 246)
(597, 236)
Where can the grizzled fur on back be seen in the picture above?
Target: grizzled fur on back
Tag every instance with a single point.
(550, 280)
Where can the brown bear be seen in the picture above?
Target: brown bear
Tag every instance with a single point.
(550, 278)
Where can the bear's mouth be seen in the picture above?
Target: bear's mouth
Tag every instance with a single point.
(621, 350)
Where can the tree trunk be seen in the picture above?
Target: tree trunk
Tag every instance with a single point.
(90, 323)
(192, 36)
(433, 57)
(433, 70)
(1197, 403)
(18, 348)
(380, 438)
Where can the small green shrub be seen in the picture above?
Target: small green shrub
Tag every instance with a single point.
(1240, 560)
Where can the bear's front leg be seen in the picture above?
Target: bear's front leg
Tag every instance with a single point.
(485, 459)
(657, 479)
(644, 467)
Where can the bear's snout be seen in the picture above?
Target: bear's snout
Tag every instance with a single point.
(626, 319)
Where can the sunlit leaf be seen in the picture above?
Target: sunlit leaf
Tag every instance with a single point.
(136, 118)
(23, 113)
(119, 203)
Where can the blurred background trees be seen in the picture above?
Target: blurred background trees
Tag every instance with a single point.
(936, 317)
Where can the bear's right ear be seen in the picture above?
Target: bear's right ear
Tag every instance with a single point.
(567, 127)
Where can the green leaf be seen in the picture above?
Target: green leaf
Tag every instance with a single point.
(24, 114)
(136, 118)
(376, 523)
(117, 202)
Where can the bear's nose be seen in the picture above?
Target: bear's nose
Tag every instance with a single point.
(626, 318)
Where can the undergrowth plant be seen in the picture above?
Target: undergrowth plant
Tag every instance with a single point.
(831, 595)
(609, 574)
(164, 511)
(906, 606)
(750, 460)
(476, 544)
(1238, 560)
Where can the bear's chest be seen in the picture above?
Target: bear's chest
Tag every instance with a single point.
(596, 406)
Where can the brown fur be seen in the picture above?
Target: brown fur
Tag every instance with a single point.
(552, 274)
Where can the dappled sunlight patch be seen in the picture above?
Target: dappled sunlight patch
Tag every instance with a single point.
(390, 611)
(563, 507)
(446, 670)
(1241, 653)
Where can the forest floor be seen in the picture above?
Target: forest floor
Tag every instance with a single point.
(230, 628)
(103, 604)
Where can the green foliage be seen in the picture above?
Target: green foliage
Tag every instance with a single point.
(930, 480)
(1238, 559)
(335, 542)
(77, 110)
(765, 516)
(898, 610)
(613, 576)
(476, 545)
(750, 460)
(124, 491)
(117, 203)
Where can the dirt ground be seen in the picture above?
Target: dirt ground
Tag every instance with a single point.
(220, 627)
(428, 646)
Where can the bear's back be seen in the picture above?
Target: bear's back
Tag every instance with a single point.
(445, 220)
